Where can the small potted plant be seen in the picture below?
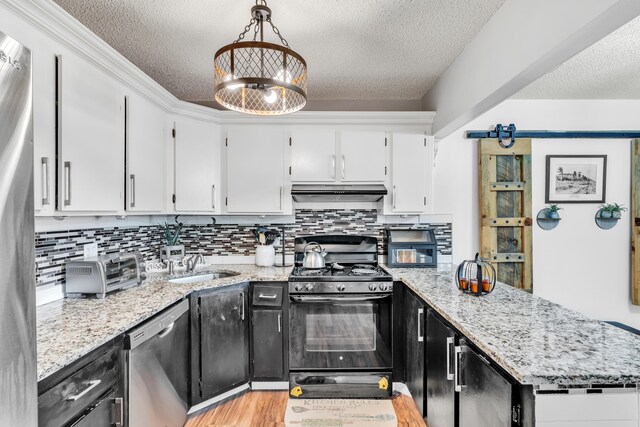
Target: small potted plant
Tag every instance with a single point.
(553, 211)
(172, 250)
(616, 210)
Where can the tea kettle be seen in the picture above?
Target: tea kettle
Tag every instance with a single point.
(313, 257)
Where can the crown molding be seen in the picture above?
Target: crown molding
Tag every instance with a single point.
(53, 21)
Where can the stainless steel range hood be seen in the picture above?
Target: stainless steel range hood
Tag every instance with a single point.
(338, 193)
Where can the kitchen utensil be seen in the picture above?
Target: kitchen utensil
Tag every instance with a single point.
(314, 256)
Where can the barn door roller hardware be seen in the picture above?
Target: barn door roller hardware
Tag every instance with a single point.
(509, 132)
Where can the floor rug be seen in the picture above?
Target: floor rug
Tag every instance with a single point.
(340, 412)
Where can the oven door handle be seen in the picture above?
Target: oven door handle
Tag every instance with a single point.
(304, 298)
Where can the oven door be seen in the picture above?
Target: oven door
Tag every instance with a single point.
(340, 332)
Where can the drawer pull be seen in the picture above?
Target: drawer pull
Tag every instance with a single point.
(267, 296)
(92, 384)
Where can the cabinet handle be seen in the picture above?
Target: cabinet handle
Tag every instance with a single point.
(332, 171)
(242, 299)
(344, 166)
(67, 179)
(420, 334)
(45, 180)
(132, 182)
(118, 409)
(450, 343)
(395, 196)
(267, 296)
(92, 384)
(279, 322)
(213, 197)
(456, 369)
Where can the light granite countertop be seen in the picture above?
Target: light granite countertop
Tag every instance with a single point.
(70, 328)
(538, 342)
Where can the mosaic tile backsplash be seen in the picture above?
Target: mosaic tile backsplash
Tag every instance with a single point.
(54, 248)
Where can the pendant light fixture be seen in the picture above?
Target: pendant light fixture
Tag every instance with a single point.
(257, 77)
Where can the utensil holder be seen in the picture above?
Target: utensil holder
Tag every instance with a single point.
(265, 255)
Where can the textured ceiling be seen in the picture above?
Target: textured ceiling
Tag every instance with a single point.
(355, 49)
(609, 69)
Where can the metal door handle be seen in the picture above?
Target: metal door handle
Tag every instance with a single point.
(344, 166)
(92, 384)
(395, 196)
(267, 296)
(279, 322)
(67, 177)
(332, 171)
(45, 180)
(420, 334)
(242, 298)
(118, 409)
(450, 343)
(166, 331)
(132, 181)
(303, 299)
(213, 197)
(456, 369)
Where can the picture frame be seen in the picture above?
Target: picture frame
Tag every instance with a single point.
(576, 178)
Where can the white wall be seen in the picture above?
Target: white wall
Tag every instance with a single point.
(577, 264)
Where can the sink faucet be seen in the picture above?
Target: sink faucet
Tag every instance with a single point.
(193, 261)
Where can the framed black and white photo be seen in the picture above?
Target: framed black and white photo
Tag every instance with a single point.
(576, 179)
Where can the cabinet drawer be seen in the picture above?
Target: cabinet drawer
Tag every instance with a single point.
(79, 391)
(107, 412)
(267, 295)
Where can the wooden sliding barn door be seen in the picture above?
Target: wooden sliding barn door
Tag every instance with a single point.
(505, 210)
(635, 222)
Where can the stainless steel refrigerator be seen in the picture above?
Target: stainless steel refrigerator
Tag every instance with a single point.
(18, 383)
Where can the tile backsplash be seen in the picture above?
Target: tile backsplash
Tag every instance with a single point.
(54, 248)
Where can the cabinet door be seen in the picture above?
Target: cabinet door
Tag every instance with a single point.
(410, 173)
(224, 340)
(90, 138)
(414, 341)
(485, 395)
(145, 156)
(362, 156)
(197, 166)
(313, 155)
(255, 170)
(440, 388)
(268, 350)
(103, 413)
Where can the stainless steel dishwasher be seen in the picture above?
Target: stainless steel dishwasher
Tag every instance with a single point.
(157, 355)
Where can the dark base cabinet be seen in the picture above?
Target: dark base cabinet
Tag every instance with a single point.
(440, 385)
(88, 392)
(414, 311)
(269, 332)
(219, 341)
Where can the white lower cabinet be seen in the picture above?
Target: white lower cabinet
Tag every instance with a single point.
(411, 174)
(255, 171)
(145, 162)
(90, 138)
(197, 166)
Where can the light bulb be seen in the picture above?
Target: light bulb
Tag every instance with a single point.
(270, 97)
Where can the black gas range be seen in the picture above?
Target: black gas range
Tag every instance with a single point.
(340, 321)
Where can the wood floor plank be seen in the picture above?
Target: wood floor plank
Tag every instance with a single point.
(267, 409)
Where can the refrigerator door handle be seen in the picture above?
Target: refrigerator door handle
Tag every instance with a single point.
(450, 344)
(456, 370)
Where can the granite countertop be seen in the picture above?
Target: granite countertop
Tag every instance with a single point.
(70, 328)
(538, 342)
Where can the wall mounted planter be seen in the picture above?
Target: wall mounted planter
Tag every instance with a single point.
(604, 221)
(547, 221)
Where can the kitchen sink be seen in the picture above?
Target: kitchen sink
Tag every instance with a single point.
(203, 277)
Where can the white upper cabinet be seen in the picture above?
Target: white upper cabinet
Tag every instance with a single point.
(197, 166)
(145, 150)
(255, 170)
(362, 156)
(411, 172)
(90, 138)
(313, 154)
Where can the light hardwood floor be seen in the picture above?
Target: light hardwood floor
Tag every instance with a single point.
(267, 408)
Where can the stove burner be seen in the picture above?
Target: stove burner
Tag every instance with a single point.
(362, 271)
(314, 272)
